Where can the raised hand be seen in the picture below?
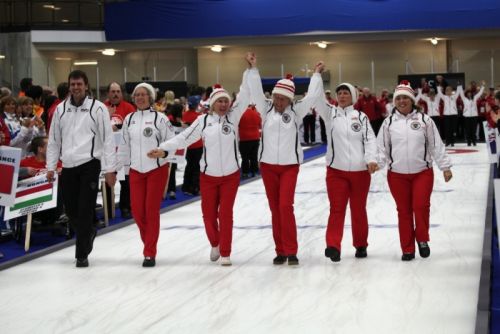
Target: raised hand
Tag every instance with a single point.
(320, 67)
(251, 59)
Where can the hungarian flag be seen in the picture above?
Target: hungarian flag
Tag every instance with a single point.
(33, 195)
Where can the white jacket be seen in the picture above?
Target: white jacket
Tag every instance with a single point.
(450, 102)
(80, 134)
(432, 106)
(219, 135)
(470, 105)
(279, 143)
(20, 136)
(408, 144)
(351, 140)
(142, 131)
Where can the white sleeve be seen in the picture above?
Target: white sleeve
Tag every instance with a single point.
(55, 141)
(124, 147)
(315, 98)
(436, 147)
(23, 137)
(370, 141)
(383, 142)
(242, 100)
(478, 95)
(257, 96)
(186, 137)
(460, 92)
(109, 161)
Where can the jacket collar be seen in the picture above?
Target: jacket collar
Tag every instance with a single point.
(346, 110)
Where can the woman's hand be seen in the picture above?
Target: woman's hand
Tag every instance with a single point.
(447, 175)
(320, 67)
(157, 153)
(251, 59)
(372, 167)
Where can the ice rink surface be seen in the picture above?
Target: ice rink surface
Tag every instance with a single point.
(186, 293)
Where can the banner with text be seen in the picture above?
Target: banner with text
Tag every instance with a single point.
(10, 157)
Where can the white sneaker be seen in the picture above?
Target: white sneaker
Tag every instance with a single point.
(225, 261)
(214, 254)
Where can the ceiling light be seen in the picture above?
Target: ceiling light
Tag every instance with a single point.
(64, 20)
(49, 6)
(2, 56)
(62, 58)
(108, 52)
(216, 48)
(322, 45)
(434, 41)
(85, 62)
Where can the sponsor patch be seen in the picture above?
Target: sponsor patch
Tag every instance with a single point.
(226, 129)
(415, 125)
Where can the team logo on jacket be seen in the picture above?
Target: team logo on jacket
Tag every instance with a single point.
(356, 127)
(286, 118)
(147, 132)
(226, 129)
(415, 125)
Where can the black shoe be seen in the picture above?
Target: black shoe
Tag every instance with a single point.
(82, 263)
(92, 240)
(407, 256)
(125, 213)
(361, 252)
(424, 249)
(149, 262)
(333, 253)
(293, 260)
(280, 259)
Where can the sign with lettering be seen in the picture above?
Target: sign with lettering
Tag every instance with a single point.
(33, 195)
(10, 157)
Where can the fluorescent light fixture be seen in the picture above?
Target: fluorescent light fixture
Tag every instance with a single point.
(108, 52)
(51, 7)
(85, 62)
(2, 56)
(434, 41)
(216, 48)
(62, 58)
(322, 45)
(64, 20)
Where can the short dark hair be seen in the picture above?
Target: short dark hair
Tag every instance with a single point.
(62, 90)
(77, 74)
(497, 95)
(36, 143)
(26, 83)
(35, 92)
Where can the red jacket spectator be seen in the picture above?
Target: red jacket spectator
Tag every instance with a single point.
(250, 125)
(370, 106)
(119, 111)
(4, 133)
(189, 117)
(51, 112)
(39, 165)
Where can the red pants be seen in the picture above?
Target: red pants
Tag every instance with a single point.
(146, 191)
(345, 186)
(217, 201)
(280, 182)
(412, 194)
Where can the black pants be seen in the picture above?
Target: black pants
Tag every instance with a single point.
(191, 183)
(171, 180)
(376, 124)
(437, 120)
(470, 129)
(323, 130)
(450, 127)
(80, 185)
(249, 151)
(309, 128)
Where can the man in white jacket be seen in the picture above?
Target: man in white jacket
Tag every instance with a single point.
(81, 136)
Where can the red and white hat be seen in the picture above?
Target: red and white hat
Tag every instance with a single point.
(285, 87)
(404, 88)
(217, 93)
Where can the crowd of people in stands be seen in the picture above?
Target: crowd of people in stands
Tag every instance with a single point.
(260, 126)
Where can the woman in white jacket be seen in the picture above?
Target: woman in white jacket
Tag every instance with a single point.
(408, 143)
(351, 157)
(219, 165)
(470, 113)
(280, 156)
(143, 130)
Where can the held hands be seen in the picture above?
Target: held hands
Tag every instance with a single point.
(110, 179)
(372, 167)
(320, 67)
(447, 175)
(251, 59)
(156, 153)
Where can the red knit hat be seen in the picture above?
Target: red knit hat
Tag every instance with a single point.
(285, 87)
(404, 88)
